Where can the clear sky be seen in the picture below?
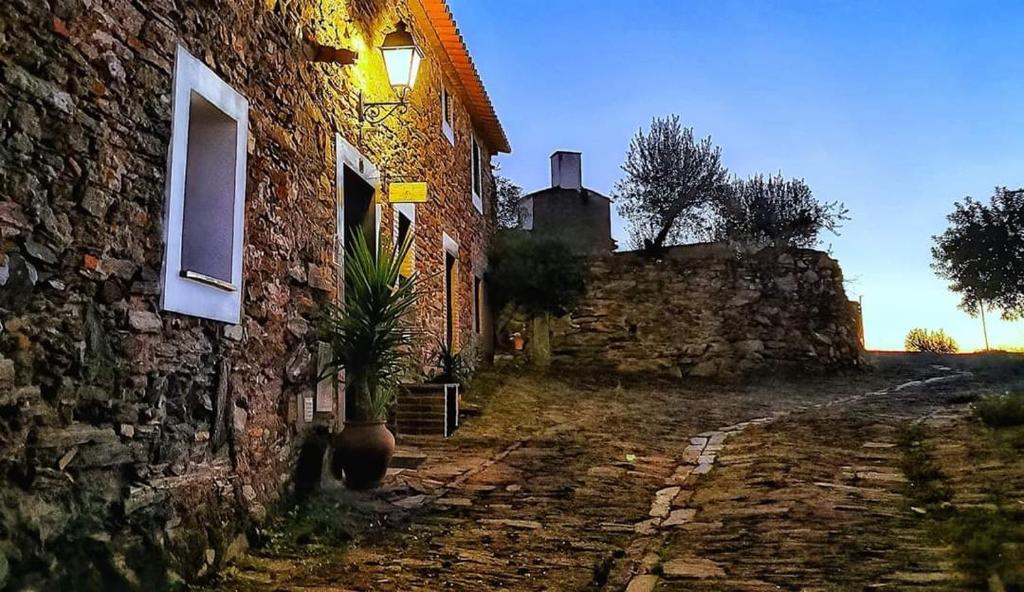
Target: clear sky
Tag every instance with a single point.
(896, 108)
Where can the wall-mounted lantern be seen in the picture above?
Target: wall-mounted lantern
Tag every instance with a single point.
(402, 59)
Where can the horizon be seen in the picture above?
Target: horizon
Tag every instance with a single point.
(791, 88)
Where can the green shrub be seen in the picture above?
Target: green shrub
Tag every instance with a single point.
(936, 342)
(1000, 411)
(371, 332)
(542, 276)
(987, 544)
(454, 366)
(324, 520)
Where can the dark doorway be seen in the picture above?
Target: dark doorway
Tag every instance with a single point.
(359, 216)
(404, 226)
(449, 298)
(477, 304)
(309, 467)
(358, 209)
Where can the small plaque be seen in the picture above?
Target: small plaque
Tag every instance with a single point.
(407, 192)
(324, 388)
(307, 409)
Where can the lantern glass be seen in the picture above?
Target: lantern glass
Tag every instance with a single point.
(402, 64)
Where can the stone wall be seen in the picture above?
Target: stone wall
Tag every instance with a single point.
(708, 310)
(136, 444)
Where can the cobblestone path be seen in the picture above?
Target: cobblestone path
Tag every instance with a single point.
(569, 485)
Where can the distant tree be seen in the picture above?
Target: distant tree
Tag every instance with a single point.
(541, 276)
(982, 253)
(670, 180)
(936, 342)
(507, 196)
(773, 211)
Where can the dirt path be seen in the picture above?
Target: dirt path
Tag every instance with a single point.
(569, 485)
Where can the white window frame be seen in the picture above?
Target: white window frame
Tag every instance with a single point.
(447, 115)
(476, 177)
(449, 246)
(347, 155)
(216, 300)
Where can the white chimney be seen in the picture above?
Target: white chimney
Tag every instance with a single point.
(566, 170)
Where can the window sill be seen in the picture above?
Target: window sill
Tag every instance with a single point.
(202, 278)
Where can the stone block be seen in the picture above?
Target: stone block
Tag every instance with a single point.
(144, 321)
(7, 374)
(693, 568)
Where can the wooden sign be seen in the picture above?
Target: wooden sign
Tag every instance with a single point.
(407, 192)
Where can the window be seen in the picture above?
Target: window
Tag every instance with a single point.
(447, 118)
(405, 224)
(476, 173)
(205, 199)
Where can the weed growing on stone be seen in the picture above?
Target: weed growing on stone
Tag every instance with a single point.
(326, 520)
(926, 485)
(988, 545)
(1001, 410)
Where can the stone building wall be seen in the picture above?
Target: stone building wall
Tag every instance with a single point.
(580, 218)
(706, 310)
(135, 444)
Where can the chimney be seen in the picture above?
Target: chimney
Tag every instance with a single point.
(566, 170)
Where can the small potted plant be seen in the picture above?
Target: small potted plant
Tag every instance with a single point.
(370, 337)
(454, 367)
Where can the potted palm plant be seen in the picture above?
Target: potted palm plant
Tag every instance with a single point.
(370, 336)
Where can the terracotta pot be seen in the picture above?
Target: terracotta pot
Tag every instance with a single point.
(362, 452)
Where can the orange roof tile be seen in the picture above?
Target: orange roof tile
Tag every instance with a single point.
(478, 103)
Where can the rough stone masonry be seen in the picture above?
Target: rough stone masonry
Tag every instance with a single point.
(135, 445)
(711, 310)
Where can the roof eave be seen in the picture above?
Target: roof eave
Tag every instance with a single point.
(477, 100)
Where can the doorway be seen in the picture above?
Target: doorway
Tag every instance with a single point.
(356, 182)
(450, 248)
(449, 299)
(357, 206)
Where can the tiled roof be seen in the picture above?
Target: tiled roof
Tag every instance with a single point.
(478, 103)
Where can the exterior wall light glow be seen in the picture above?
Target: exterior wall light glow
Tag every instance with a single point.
(402, 59)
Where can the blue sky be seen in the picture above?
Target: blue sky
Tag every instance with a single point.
(897, 109)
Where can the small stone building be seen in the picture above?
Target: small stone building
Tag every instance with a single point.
(177, 184)
(567, 210)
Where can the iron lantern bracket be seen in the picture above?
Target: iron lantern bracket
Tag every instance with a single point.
(375, 113)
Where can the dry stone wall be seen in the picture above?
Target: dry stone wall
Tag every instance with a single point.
(712, 311)
(136, 444)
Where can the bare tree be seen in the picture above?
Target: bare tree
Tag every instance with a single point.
(773, 211)
(670, 181)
